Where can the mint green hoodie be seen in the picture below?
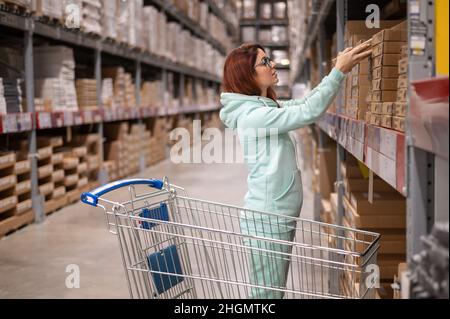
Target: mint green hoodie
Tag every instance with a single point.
(274, 181)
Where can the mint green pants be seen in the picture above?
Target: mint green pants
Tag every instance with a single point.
(268, 266)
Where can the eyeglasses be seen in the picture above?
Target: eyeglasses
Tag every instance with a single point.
(266, 61)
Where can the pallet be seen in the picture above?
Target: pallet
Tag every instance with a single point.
(15, 223)
(53, 205)
(15, 8)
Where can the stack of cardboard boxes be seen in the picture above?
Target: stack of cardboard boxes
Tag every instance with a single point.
(86, 93)
(386, 215)
(387, 46)
(151, 94)
(358, 83)
(15, 191)
(58, 199)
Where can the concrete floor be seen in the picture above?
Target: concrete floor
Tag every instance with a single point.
(33, 261)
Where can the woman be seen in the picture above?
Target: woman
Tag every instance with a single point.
(274, 181)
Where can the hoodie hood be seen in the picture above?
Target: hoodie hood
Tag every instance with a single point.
(233, 106)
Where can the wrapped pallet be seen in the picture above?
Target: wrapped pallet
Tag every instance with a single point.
(54, 70)
(109, 19)
(50, 9)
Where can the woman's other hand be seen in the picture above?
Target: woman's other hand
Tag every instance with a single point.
(350, 57)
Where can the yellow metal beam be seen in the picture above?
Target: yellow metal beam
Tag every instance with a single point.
(442, 34)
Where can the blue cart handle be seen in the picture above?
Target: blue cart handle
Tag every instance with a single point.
(91, 198)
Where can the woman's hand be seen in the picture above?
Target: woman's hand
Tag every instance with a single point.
(350, 57)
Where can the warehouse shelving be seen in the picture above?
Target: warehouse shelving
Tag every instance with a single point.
(173, 12)
(33, 122)
(259, 23)
(232, 31)
(271, 22)
(417, 171)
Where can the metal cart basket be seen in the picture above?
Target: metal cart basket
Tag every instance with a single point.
(174, 246)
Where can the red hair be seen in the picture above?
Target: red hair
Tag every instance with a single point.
(239, 72)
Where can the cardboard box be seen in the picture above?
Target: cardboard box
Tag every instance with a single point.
(402, 95)
(362, 68)
(327, 171)
(385, 60)
(384, 96)
(386, 121)
(398, 123)
(358, 185)
(387, 48)
(360, 92)
(399, 109)
(385, 84)
(390, 35)
(360, 27)
(393, 242)
(373, 217)
(375, 119)
(360, 80)
(376, 108)
(387, 108)
(403, 66)
(350, 170)
(45, 152)
(385, 72)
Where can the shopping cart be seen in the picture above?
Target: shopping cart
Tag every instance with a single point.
(174, 246)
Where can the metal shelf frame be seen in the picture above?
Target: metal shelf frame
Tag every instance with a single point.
(417, 178)
(32, 122)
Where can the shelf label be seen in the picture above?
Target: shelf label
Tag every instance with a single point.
(68, 119)
(44, 120)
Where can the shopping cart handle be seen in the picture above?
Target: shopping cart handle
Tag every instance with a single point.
(91, 198)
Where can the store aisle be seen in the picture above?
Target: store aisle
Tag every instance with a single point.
(33, 261)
